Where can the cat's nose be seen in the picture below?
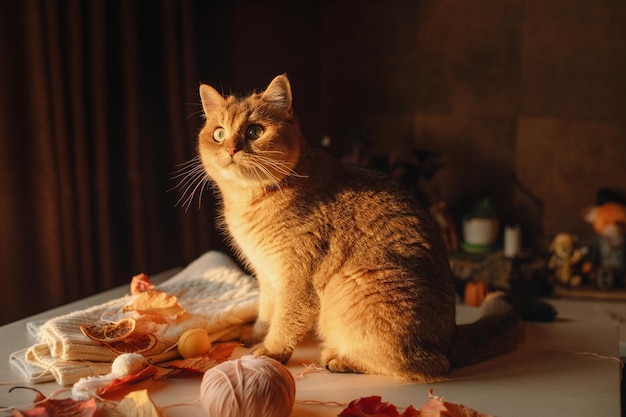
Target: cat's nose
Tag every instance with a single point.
(233, 146)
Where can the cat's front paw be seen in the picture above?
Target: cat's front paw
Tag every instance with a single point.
(281, 356)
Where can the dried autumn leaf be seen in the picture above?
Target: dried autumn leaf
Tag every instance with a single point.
(370, 407)
(411, 412)
(221, 352)
(33, 412)
(66, 407)
(124, 382)
(109, 332)
(437, 407)
(196, 364)
(70, 408)
(434, 407)
(160, 306)
(135, 404)
(140, 283)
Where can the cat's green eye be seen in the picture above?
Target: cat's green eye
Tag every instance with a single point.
(219, 134)
(254, 132)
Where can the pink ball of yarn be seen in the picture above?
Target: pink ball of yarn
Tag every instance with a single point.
(249, 386)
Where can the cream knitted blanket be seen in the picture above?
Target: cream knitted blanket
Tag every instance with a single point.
(218, 296)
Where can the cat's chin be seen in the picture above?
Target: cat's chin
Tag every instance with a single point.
(240, 179)
(240, 176)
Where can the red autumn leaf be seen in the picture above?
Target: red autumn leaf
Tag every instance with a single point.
(117, 383)
(70, 408)
(435, 407)
(33, 412)
(370, 407)
(220, 352)
(66, 407)
(410, 412)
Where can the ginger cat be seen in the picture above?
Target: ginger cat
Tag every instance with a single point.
(337, 249)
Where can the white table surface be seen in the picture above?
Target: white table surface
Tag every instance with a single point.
(563, 369)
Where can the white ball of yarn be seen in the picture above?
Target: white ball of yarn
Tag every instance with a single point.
(128, 364)
(250, 386)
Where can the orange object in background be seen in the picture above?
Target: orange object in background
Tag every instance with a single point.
(475, 293)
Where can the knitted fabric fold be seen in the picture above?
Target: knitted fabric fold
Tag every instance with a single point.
(216, 295)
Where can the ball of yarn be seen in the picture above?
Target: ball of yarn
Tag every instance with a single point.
(250, 386)
(128, 364)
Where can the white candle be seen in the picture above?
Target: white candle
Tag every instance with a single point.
(512, 241)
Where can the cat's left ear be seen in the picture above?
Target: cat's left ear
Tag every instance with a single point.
(210, 98)
(279, 94)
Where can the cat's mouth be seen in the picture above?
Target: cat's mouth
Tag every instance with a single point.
(244, 169)
(260, 169)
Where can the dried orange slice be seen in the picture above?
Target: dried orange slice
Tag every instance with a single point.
(109, 332)
(134, 343)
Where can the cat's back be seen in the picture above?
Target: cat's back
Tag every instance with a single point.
(368, 219)
(376, 204)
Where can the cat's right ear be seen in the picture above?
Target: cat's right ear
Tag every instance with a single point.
(210, 98)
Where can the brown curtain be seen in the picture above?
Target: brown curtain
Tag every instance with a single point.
(98, 109)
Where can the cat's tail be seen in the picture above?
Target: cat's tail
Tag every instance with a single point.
(499, 330)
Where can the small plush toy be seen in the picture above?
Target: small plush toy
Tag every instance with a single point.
(608, 251)
(566, 260)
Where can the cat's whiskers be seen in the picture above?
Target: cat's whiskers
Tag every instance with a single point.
(268, 151)
(266, 168)
(262, 172)
(281, 167)
(192, 178)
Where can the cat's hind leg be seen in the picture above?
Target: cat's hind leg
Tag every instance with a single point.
(334, 362)
(429, 369)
